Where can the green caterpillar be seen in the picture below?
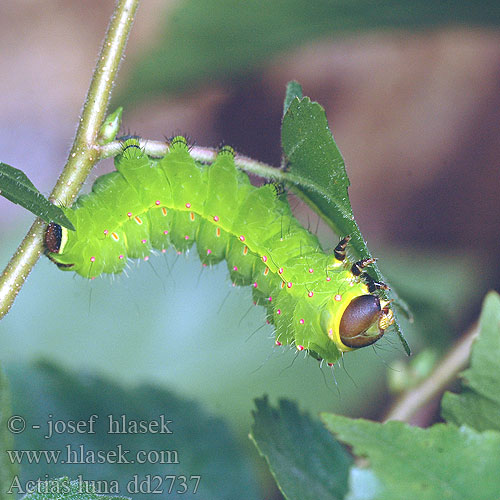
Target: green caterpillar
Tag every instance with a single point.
(318, 302)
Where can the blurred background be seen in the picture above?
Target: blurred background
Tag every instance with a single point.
(412, 95)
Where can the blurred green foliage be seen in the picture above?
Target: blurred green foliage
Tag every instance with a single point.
(211, 40)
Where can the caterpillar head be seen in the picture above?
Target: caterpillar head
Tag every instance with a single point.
(361, 323)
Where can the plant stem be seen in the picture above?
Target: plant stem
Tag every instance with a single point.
(158, 149)
(447, 370)
(83, 154)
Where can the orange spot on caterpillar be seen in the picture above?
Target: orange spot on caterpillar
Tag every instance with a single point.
(300, 348)
(114, 236)
(310, 294)
(242, 238)
(338, 297)
(217, 232)
(266, 271)
(188, 205)
(216, 218)
(282, 284)
(138, 219)
(164, 211)
(245, 250)
(191, 216)
(301, 321)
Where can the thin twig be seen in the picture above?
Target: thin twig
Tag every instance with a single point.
(83, 154)
(452, 364)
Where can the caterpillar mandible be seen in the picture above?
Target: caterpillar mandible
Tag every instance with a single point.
(318, 302)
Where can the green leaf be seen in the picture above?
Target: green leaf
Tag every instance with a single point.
(293, 89)
(110, 127)
(207, 40)
(16, 187)
(8, 470)
(64, 489)
(443, 461)
(478, 405)
(317, 170)
(201, 443)
(305, 460)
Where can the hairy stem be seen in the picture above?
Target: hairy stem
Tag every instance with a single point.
(452, 364)
(159, 149)
(83, 154)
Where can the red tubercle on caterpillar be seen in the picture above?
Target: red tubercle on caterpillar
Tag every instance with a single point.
(235, 268)
(264, 258)
(216, 218)
(301, 321)
(146, 258)
(120, 256)
(338, 297)
(255, 284)
(310, 294)
(163, 250)
(188, 205)
(92, 259)
(289, 284)
(186, 237)
(209, 251)
(278, 311)
(242, 238)
(280, 270)
(328, 278)
(144, 242)
(300, 347)
(311, 270)
(106, 232)
(157, 202)
(277, 342)
(129, 214)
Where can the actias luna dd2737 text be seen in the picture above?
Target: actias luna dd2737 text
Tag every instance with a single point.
(318, 302)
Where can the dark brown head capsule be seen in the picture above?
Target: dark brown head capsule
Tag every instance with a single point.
(359, 316)
(53, 237)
